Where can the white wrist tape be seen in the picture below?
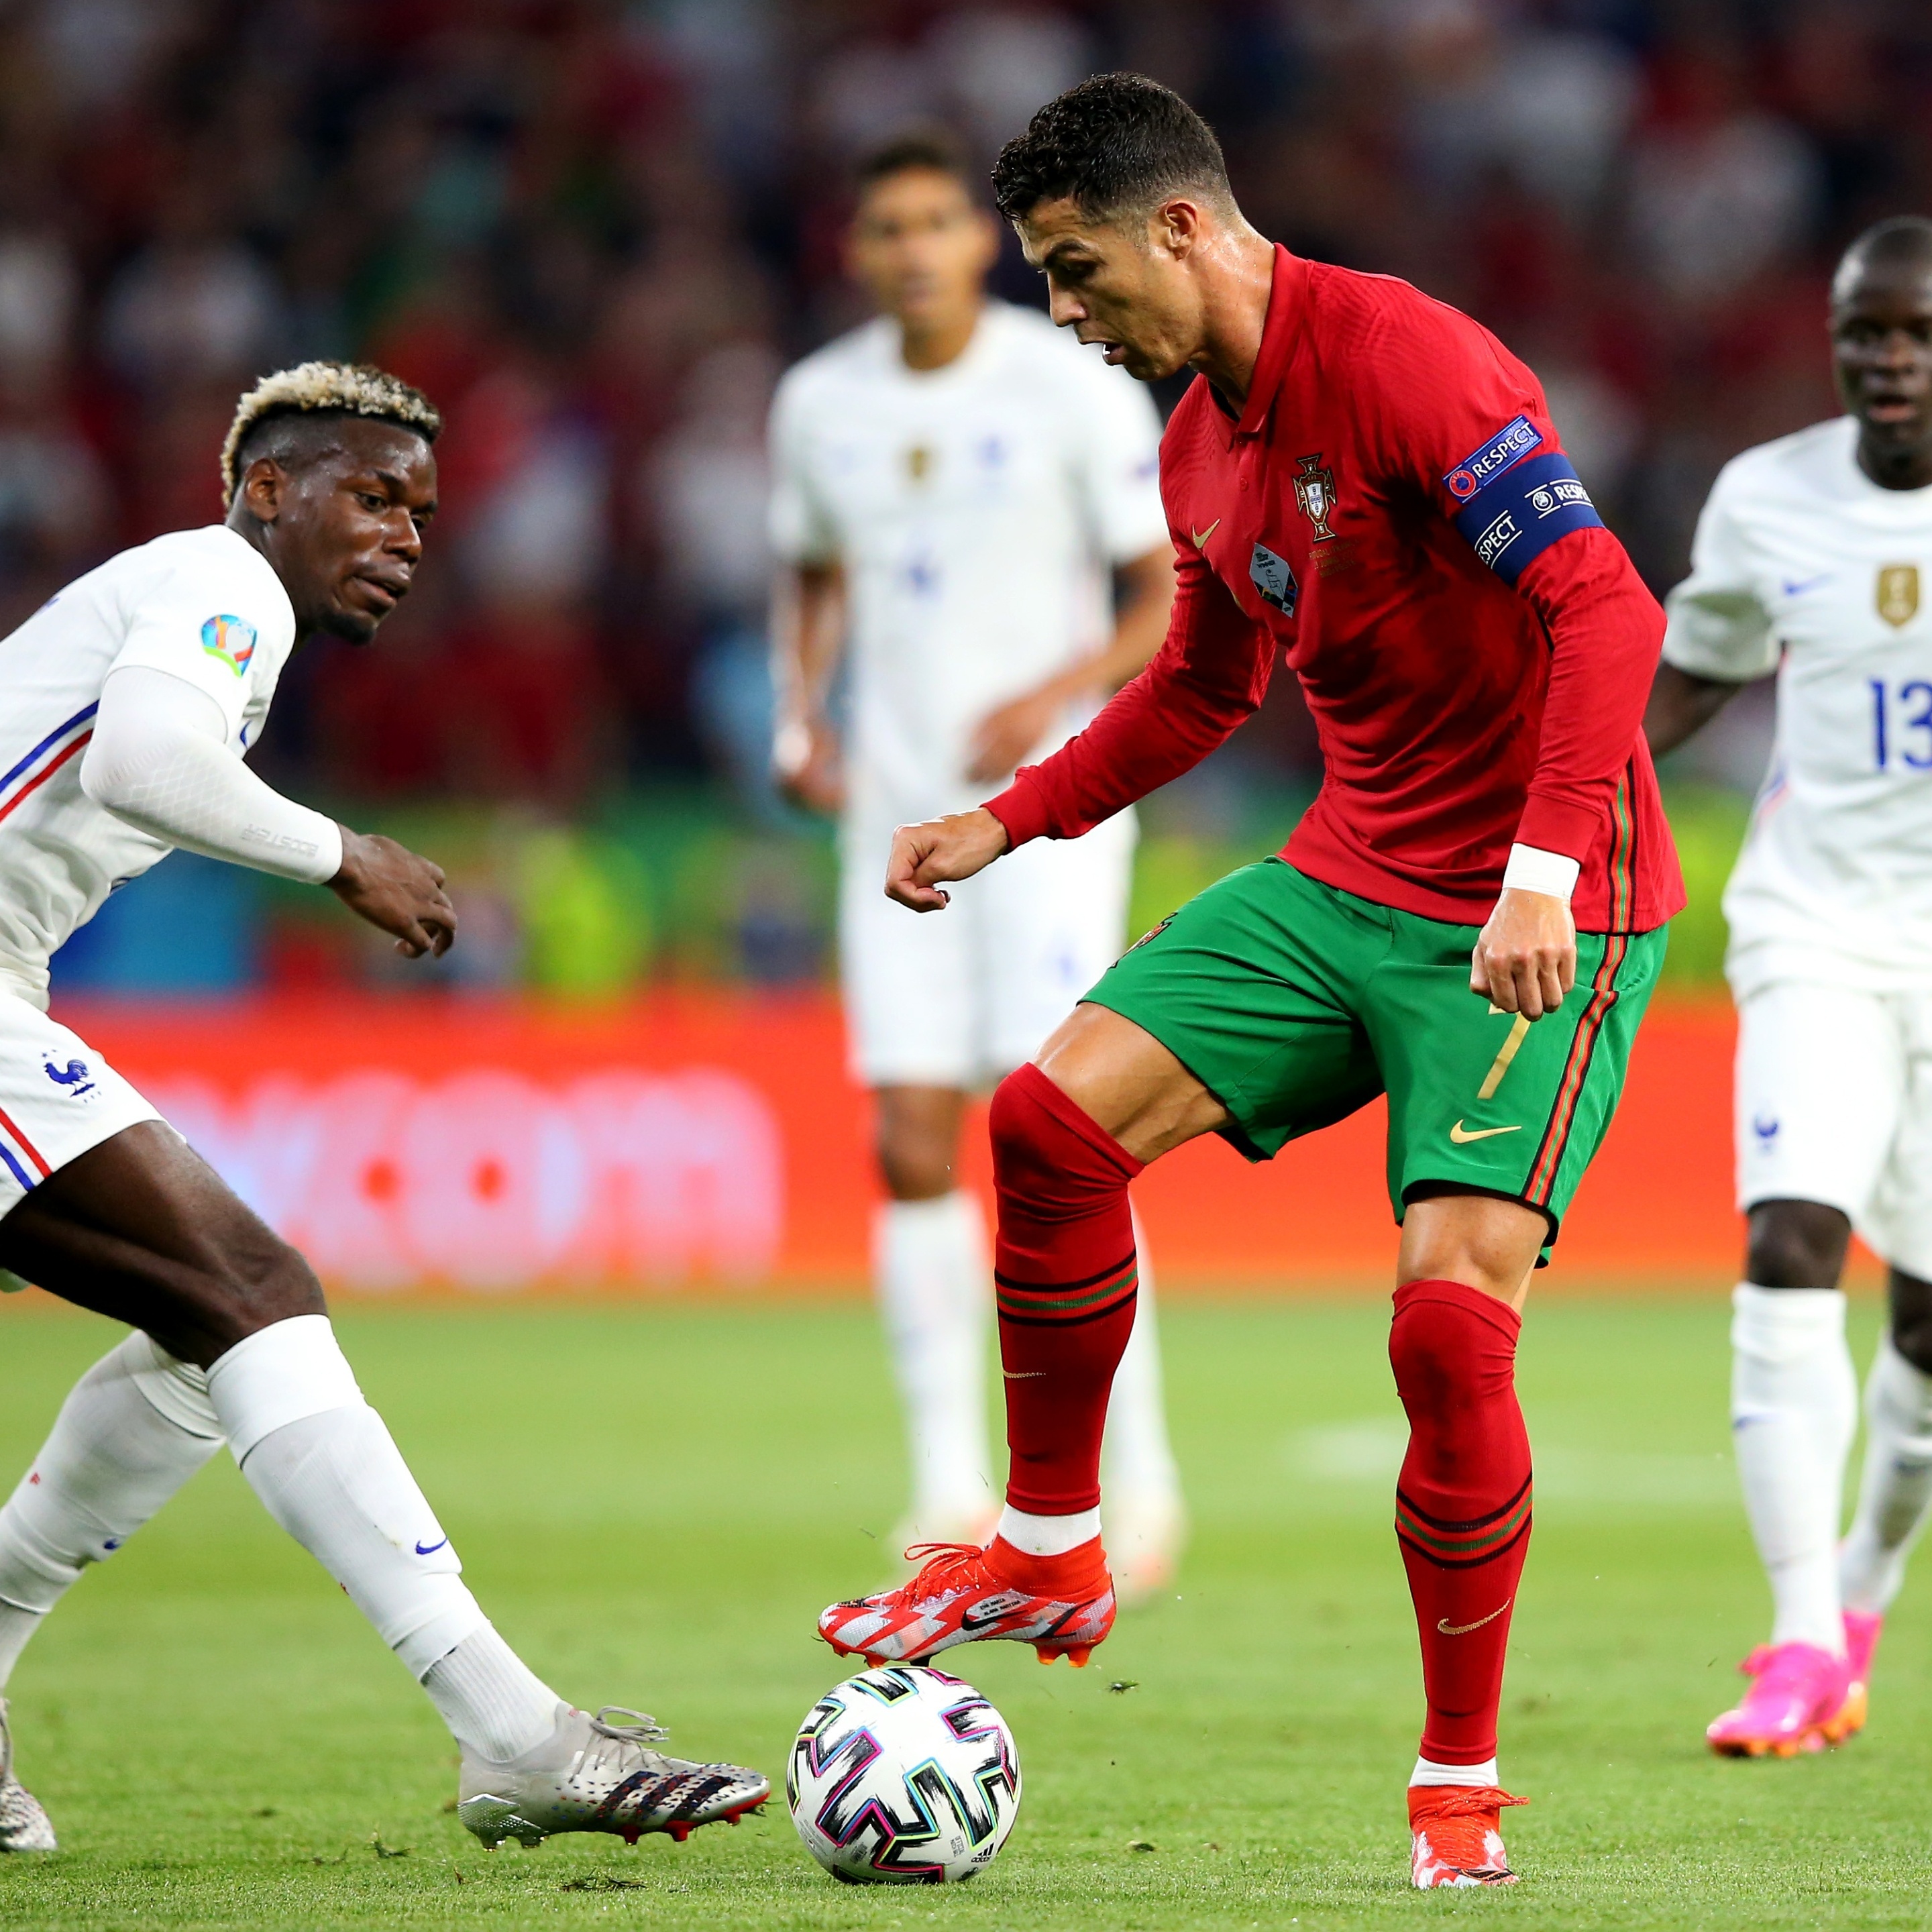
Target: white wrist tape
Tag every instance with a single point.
(281, 1374)
(1531, 869)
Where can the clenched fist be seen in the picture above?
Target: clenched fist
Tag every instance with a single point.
(936, 851)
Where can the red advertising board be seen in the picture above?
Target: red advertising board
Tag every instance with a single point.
(692, 1141)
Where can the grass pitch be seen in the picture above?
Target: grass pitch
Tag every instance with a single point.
(654, 1502)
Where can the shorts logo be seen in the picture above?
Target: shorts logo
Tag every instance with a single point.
(1505, 450)
(1897, 597)
(1548, 498)
(1497, 538)
(1270, 575)
(74, 1076)
(1315, 491)
(1766, 1131)
(230, 639)
(1462, 1136)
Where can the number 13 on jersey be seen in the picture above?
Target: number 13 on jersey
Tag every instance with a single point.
(1898, 711)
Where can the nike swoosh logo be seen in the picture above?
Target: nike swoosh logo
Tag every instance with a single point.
(1201, 536)
(1796, 587)
(1462, 1136)
(430, 1549)
(1463, 1630)
(1023, 1375)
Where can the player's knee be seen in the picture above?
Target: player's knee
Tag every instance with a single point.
(1797, 1244)
(1912, 1320)
(1015, 1126)
(915, 1163)
(264, 1281)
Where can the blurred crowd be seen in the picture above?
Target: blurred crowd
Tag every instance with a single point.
(595, 230)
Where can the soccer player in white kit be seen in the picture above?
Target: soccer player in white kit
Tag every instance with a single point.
(127, 703)
(953, 484)
(1813, 558)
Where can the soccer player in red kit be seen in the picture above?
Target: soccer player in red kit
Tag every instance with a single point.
(1469, 918)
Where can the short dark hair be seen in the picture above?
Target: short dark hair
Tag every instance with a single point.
(1900, 238)
(1117, 144)
(913, 150)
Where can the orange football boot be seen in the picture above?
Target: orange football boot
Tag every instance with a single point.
(1455, 1835)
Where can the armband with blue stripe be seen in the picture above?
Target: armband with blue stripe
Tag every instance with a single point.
(1516, 502)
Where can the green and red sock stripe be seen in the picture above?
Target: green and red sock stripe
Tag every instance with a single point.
(1462, 1546)
(1062, 1303)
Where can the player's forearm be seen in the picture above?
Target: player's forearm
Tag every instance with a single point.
(1185, 704)
(807, 638)
(158, 759)
(1681, 704)
(1605, 630)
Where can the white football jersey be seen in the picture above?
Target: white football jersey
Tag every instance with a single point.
(1804, 566)
(202, 605)
(977, 510)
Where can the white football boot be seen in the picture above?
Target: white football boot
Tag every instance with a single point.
(24, 1826)
(593, 1775)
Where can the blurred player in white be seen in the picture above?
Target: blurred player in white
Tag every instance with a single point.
(954, 485)
(127, 703)
(1813, 558)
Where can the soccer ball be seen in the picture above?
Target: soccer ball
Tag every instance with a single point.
(903, 1776)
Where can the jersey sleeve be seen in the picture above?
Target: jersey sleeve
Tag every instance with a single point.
(799, 520)
(1208, 676)
(1718, 627)
(202, 623)
(1116, 457)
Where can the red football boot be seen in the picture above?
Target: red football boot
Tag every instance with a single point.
(1455, 1836)
(1063, 1606)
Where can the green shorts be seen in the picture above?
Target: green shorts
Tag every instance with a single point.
(1295, 1003)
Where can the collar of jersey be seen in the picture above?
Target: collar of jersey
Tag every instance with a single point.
(1287, 307)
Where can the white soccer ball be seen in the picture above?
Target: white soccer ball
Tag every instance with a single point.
(903, 1776)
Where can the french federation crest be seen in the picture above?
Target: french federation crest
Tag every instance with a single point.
(1270, 575)
(1897, 597)
(1315, 491)
(230, 639)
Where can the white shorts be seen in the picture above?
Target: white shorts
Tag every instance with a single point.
(57, 1098)
(1835, 1104)
(960, 997)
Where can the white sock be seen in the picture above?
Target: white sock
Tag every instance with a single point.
(1048, 1535)
(1426, 1772)
(935, 1290)
(327, 1470)
(132, 1431)
(1137, 1454)
(1896, 1492)
(496, 1706)
(1794, 1405)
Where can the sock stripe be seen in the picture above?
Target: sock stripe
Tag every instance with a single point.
(1009, 1318)
(1463, 1546)
(1069, 1298)
(1128, 1260)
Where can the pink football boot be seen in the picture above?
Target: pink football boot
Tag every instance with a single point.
(1861, 1630)
(1798, 1702)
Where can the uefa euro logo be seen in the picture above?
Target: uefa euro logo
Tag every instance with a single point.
(230, 639)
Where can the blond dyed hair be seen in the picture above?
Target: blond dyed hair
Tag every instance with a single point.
(325, 388)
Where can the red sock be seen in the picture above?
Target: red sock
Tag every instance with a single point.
(1066, 1273)
(1461, 1502)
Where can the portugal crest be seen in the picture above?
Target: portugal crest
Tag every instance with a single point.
(1897, 597)
(1315, 491)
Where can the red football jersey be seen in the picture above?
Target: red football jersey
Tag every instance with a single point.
(1392, 506)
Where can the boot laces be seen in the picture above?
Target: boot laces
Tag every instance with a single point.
(944, 1565)
(641, 1732)
(1470, 1802)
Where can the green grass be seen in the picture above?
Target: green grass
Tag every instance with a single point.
(654, 1502)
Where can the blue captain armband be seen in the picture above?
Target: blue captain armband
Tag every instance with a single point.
(1516, 514)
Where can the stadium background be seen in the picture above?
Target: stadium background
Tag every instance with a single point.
(594, 233)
